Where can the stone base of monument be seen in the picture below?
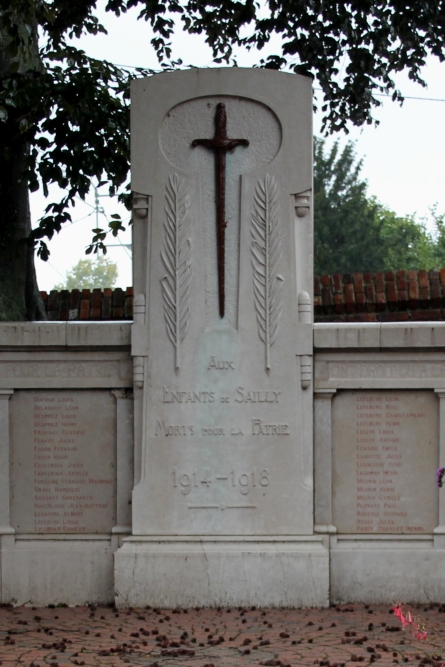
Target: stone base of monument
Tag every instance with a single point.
(69, 571)
(386, 572)
(188, 572)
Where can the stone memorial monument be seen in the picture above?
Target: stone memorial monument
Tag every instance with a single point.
(222, 343)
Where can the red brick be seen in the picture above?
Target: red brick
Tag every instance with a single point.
(401, 280)
(349, 298)
(393, 317)
(389, 276)
(413, 293)
(53, 300)
(128, 309)
(403, 300)
(360, 302)
(380, 301)
(391, 294)
(362, 317)
(339, 303)
(337, 287)
(108, 291)
(64, 308)
(412, 275)
(86, 293)
(370, 298)
(84, 309)
(327, 297)
(74, 299)
(317, 285)
(379, 282)
(326, 280)
(129, 291)
(424, 297)
(358, 282)
(442, 276)
(106, 307)
(118, 313)
(426, 315)
(95, 314)
(423, 278)
(368, 278)
(435, 296)
(96, 299)
(118, 298)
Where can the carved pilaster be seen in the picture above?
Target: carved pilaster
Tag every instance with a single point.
(323, 460)
(305, 317)
(439, 532)
(5, 528)
(124, 460)
(138, 359)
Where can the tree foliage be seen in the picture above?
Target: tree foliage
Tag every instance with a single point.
(64, 116)
(354, 232)
(88, 274)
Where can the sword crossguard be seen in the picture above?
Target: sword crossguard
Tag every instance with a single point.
(220, 140)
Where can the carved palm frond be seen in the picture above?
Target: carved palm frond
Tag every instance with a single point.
(266, 255)
(176, 257)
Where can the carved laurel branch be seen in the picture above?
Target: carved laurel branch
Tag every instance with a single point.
(176, 257)
(266, 255)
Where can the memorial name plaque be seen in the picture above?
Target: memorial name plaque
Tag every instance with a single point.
(63, 461)
(385, 450)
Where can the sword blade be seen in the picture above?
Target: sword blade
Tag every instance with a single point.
(220, 186)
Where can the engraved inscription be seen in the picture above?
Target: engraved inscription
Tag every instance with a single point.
(256, 396)
(384, 453)
(242, 482)
(164, 428)
(220, 365)
(261, 428)
(176, 257)
(388, 369)
(63, 478)
(185, 396)
(266, 256)
(59, 369)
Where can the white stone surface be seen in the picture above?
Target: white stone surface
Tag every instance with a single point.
(225, 416)
(70, 571)
(5, 527)
(385, 454)
(186, 573)
(83, 368)
(398, 335)
(103, 334)
(62, 334)
(224, 451)
(63, 461)
(379, 370)
(385, 572)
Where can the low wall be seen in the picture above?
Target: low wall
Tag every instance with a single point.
(67, 459)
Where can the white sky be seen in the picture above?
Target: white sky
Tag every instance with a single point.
(404, 161)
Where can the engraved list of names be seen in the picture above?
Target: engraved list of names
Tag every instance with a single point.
(63, 461)
(385, 456)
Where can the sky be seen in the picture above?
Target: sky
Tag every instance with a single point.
(403, 157)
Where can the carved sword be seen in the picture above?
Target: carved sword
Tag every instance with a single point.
(220, 144)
